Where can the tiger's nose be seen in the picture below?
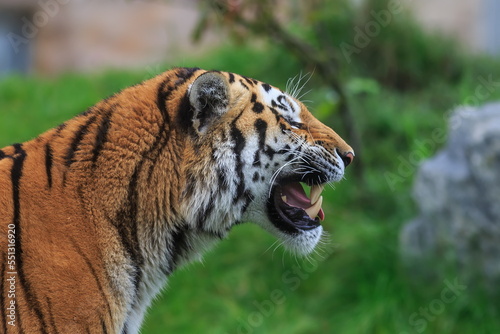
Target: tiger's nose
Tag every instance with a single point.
(347, 158)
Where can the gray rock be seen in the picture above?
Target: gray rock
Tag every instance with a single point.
(458, 196)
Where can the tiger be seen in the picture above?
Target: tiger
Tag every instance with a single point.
(98, 212)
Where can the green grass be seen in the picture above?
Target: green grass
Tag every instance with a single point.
(357, 283)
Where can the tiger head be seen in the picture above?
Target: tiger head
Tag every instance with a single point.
(253, 146)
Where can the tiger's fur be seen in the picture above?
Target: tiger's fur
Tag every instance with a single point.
(104, 207)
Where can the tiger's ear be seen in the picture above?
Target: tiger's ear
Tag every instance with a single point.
(209, 97)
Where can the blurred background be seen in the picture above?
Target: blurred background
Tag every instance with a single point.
(411, 85)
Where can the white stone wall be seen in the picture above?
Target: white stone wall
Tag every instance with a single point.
(473, 22)
(89, 35)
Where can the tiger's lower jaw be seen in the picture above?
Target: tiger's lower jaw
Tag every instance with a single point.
(302, 243)
(300, 237)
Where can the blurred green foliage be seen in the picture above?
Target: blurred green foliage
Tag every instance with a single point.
(400, 88)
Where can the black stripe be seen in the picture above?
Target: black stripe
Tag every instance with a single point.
(185, 115)
(103, 326)
(2, 298)
(281, 103)
(48, 164)
(239, 144)
(237, 136)
(261, 128)
(248, 80)
(102, 134)
(162, 138)
(16, 174)
(133, 210)
(15, 177)
(231, 77)
(126, 225)
(86, 112)
(51, 316)
(185, 112)
(2, 154)
(173, 198)
(266, 87)
(60, 128)
(275, 112)
(248, 198)
(82, 131)
(153, 154)
(178, 247)
(243, 84)
(161, 99)
(94, 273)
(223, 181)
(256, 159)
(238, 140)
(283, 128)
(121, 223)
(207, 211)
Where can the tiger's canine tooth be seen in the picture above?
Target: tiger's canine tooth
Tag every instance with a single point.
(314, 210)
(316, 191)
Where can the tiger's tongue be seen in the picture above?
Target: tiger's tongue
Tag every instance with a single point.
(296, 196)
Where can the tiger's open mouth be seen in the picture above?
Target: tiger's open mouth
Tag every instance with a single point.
(291, 210)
